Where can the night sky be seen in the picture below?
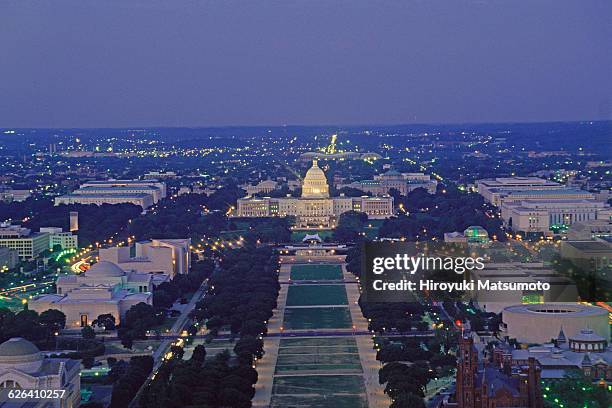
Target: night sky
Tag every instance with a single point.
(127, 63)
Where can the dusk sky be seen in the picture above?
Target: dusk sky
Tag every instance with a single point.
(84, 63)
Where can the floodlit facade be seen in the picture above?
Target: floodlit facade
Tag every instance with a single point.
(28, 244)
(314, 208)
(167, 257)
(535, 205)
(143, 193)
(539, 323)
(562, 289)
(495, 190)
(66, 240)
(104, 288)
(541, 216)
(23, 366)
(402, 182)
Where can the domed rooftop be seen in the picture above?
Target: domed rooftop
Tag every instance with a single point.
(104, 269)
(17, 346)
(315, 183)
(587, 335)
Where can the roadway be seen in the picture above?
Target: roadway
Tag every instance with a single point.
(169, 339)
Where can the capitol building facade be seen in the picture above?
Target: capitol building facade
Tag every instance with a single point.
(315, 208)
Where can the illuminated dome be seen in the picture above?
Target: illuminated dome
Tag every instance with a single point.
(105, 269)
(20, 353)
(315, 183)
(476, 233)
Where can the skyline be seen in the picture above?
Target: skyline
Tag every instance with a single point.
(209, 64)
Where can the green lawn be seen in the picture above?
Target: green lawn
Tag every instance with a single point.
(329, 384)
(317, 361)
(317, 350)
(316, 272)
(318, 341)
(317, 318)
(313, 295)
(342, 391)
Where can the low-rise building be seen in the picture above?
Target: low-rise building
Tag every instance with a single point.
(539, 323)
(104, 289)
(585, 351)
(591, 229)
(23, 366)
(402, 182)
(143, 200)
(9, 195)
(562, 289)
(542, 216)
(57, 236)
(167, 257)
(28, 244)
(144, 193)
(485, 384)
(474, 234)
(590, 255)
(495, 190)
(263, 187)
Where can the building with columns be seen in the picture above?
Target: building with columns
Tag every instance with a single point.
(104, 289)
(315, 208)
(23, 366)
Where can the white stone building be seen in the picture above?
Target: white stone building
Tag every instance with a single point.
(104, 288)
(315, 208)
(539, 323)
(23, 366)
(65, 239)
(144, 193)
(167, 257)
(402, 182)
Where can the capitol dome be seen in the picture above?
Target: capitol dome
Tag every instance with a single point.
(19, 352)
(105, 269)
(315, 183)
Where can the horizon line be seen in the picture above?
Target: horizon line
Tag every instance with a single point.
(3, 128)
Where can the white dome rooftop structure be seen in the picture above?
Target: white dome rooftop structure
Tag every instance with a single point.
(20, 353)
(105, 269)
(315, 183)
(587, 341)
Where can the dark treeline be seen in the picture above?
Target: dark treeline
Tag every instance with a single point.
(409, 363)
(167, 293)
(243, 294)
(241, 297)
(39, 329)
(129, 380)
(431, 215)
(96, 223)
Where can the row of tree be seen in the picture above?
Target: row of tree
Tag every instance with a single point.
(129, 382)
(167, 293)
(218, 381)
(39, 329)
(243, 294)
(409, 363)
(429, 216)
(241, 297)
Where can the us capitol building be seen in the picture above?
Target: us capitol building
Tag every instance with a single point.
(315, 208)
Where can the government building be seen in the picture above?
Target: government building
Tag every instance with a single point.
(23, 366)
(104, 289)
(143, 193)
(315, 208)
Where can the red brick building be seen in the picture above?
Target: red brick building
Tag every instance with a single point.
(496, 384)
